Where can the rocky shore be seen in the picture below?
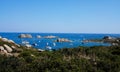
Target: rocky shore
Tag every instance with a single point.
(106, 39)
(10, 48)
(63, 40)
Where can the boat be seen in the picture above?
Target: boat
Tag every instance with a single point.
(49, 47)
(34, 44)
(25, 42)
(54, 44)
(47, 43)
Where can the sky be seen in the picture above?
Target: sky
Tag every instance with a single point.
(60, 16)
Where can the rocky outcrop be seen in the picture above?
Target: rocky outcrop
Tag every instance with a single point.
(50, 37)
(38, 36)
(40, 50)
(22, 36)
(11, 41)
(8, 48)
(25, 36)
(5, 39)
(63, 40)
(2, 50)
(108, 37)
(28, 45)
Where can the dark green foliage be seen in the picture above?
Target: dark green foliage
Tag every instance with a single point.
(81, 59)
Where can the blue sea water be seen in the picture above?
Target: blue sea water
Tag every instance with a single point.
(76, 38)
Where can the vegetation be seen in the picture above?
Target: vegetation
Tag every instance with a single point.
(80, 59)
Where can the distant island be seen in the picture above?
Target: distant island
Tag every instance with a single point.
(106, 39)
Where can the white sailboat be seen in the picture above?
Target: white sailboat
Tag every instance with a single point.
(47, 43)
(49, 47)
(54, 44)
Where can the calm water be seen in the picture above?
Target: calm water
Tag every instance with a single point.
(42, 42)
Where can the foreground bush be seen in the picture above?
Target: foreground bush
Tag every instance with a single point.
(80, 59)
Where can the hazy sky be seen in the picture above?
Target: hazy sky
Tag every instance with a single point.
(65, 16)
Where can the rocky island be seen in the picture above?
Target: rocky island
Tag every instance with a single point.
(25, 36)
(106, 39)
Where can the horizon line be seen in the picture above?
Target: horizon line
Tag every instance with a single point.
(63, 32)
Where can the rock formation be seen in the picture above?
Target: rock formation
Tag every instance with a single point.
(107, 37)
(63, 40)
(38, 36)
(50, 37)
(8, 48)
(25, 36)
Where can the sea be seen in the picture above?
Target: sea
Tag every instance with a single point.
(41, 43)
